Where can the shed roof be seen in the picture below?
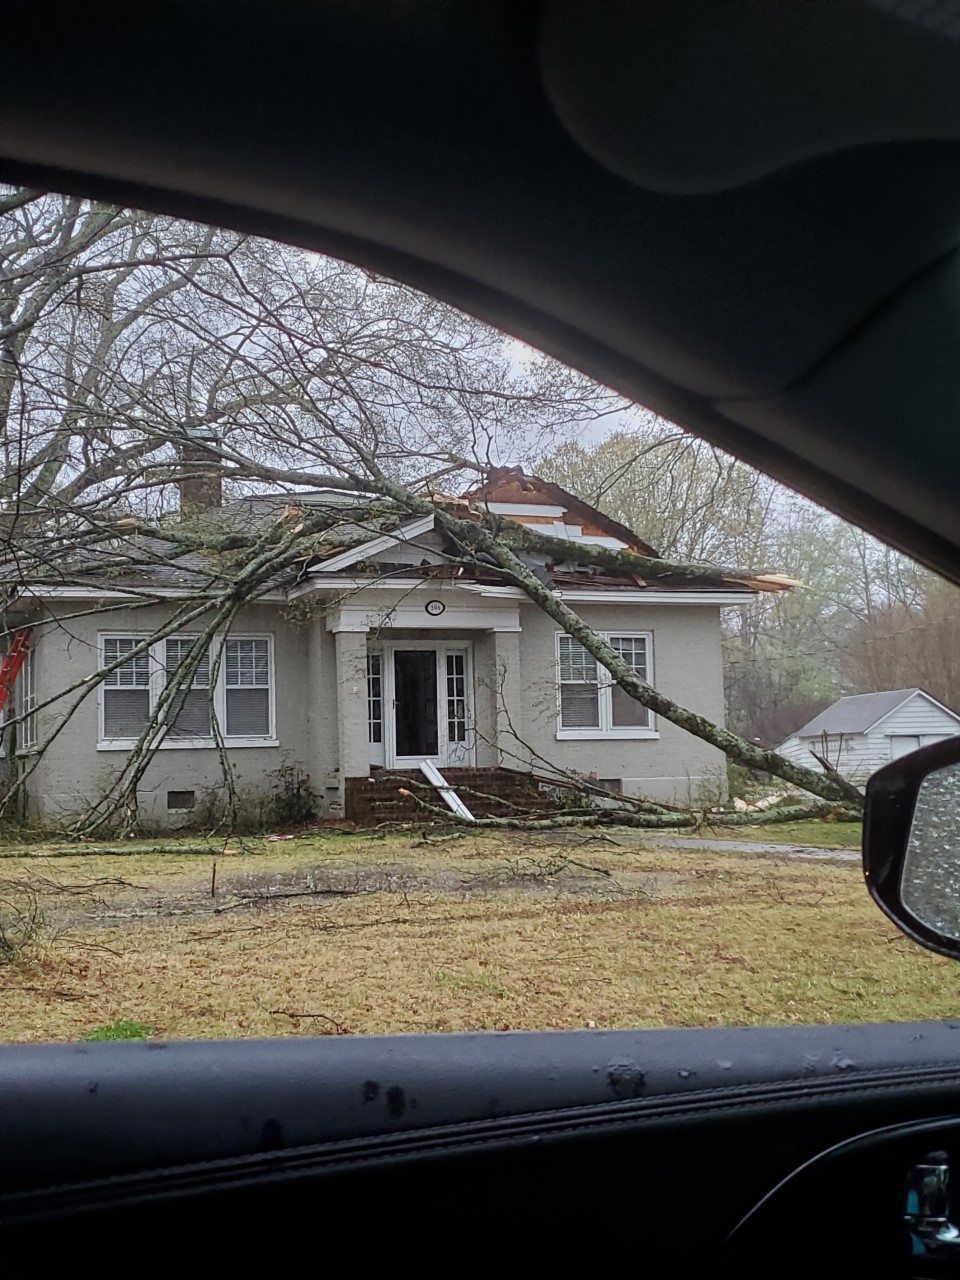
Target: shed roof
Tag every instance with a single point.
(861, 711)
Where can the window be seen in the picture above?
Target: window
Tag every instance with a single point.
(457, 697)
(375, 697)
(242, 697)
(28, 725)
(625, 710)
(126, 689)
(579, 686)
(189, 714)
(591, 705)
(247, 667)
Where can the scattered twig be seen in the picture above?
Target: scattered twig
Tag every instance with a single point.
(295, 1016)
(443, 838)
(88, 887)
(52, 991)
(224, 933)
(255, 899)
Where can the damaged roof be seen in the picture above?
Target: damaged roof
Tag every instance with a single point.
(361, 546)
(511, 485)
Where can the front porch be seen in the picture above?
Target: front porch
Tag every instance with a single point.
(488, 793)
(425, 674)
(406, 697)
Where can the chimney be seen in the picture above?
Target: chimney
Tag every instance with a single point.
(201, 480)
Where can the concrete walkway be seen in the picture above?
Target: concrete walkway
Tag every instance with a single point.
(752, 846)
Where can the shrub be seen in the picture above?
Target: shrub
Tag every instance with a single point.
(740, 781)
(290, 801)
(293, 801)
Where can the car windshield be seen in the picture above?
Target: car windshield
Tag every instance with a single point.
(365, 670)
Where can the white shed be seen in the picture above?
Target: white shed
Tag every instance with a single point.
(859, 734)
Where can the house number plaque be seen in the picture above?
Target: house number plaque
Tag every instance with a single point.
(435, 608)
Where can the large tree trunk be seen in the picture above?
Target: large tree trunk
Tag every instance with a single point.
(733, 746)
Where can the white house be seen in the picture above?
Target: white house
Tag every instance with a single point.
(861, 733)
(386, 651)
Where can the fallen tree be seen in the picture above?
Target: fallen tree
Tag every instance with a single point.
(620, 815)
(124, 334)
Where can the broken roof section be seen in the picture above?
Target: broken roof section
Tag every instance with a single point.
(546, 507)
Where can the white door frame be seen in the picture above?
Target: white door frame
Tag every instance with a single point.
(464, 752)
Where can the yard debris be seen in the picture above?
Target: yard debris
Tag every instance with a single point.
(697, 935)
(295, 1015)
(80, 850)
(278, 895)
(768, 801)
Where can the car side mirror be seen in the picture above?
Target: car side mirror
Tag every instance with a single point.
(911, 845)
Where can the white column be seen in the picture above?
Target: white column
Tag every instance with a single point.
(351, 648)
(318, 697)
(508, 709)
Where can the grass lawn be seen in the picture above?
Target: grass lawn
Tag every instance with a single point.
(482, 932)
(815, 832)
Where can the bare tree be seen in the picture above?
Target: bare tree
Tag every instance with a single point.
(134, 348)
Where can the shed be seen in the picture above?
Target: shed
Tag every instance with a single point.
(861, 733)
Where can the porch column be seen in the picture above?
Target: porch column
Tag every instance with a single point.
(318, 698)
(352, 704)
(508, 707)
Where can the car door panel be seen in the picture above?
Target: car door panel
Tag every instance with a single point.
(480, 1127)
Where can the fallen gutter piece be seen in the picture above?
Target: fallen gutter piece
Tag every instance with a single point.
(449, 796)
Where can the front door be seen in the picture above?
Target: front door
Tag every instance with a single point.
(416, 716)
(421, 704)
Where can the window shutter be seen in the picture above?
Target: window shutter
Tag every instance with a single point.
(579, 707)
(126, 690)
(188, 715)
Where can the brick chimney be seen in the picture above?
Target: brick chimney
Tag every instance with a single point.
(201, 480)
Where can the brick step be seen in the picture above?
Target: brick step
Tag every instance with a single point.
(503, 792)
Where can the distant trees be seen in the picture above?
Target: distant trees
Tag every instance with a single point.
(899, 645)
(868, 618)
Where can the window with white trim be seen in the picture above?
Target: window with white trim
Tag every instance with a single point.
(456, 664)
(590, 703)
(28, 702)
(246, 667)
(126, 689)
(241, 698)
